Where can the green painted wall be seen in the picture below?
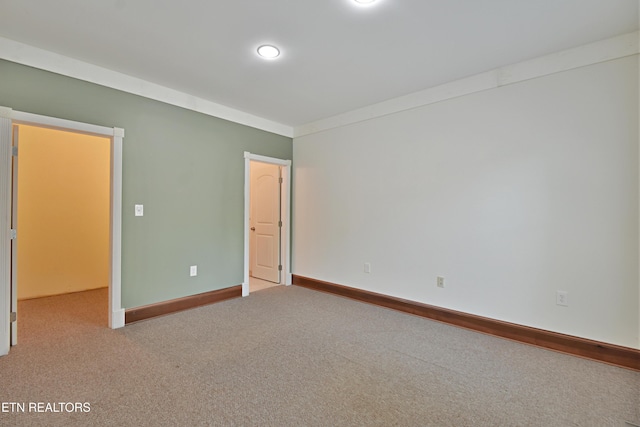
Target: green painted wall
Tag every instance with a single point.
(186, 168)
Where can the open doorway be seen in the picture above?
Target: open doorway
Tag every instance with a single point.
(267, 219)
(61, 213)
(8, 230)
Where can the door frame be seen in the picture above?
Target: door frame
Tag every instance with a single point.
(285, 209)
(8, 117)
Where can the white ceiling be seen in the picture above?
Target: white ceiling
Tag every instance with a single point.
(336, 57)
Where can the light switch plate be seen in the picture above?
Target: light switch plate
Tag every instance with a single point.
(139, 210)
(193, 270)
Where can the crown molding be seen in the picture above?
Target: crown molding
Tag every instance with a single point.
(593, 53)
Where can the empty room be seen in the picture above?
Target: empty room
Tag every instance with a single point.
(336, 213)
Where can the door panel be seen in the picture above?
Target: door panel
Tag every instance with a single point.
(5, 226)
(264, 221)
(264, 251)
(14, 243)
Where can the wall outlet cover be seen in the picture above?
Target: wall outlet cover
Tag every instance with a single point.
(562, 298)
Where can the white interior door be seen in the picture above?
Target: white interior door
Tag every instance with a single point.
(5, 227)
(14, 242)
(264, 220)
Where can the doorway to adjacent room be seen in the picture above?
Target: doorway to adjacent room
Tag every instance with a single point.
(61, 214)
(267, 222)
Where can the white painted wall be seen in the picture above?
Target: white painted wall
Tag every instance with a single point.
(510, 193)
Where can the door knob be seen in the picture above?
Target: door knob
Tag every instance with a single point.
(253, 229)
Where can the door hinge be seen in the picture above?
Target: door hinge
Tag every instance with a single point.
(14, 234)
(13, 317)
(14, 151)
(279, 223)
(280, 267)
(280, 180)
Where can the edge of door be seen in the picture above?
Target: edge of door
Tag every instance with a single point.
(13, 224)
(5, 226)
(285, 240)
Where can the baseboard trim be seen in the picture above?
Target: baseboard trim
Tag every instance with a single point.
(625, 357)
(137, 314)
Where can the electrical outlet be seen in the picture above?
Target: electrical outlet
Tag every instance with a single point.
(562, 298)
(440, 281)
(367, 267)
(139, 210)
(193, 270)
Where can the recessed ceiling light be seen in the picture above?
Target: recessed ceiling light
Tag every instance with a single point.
(366, 3)
(268, 51)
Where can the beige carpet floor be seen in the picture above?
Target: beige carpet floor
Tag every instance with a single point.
(289, 356)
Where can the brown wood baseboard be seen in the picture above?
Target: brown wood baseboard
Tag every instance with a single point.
(166, 307)
(625, 357)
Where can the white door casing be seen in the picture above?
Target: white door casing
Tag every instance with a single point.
(14, 242)
(264, 219)
(7, 116)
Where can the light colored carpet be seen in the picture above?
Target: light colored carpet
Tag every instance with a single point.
(289, 356)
